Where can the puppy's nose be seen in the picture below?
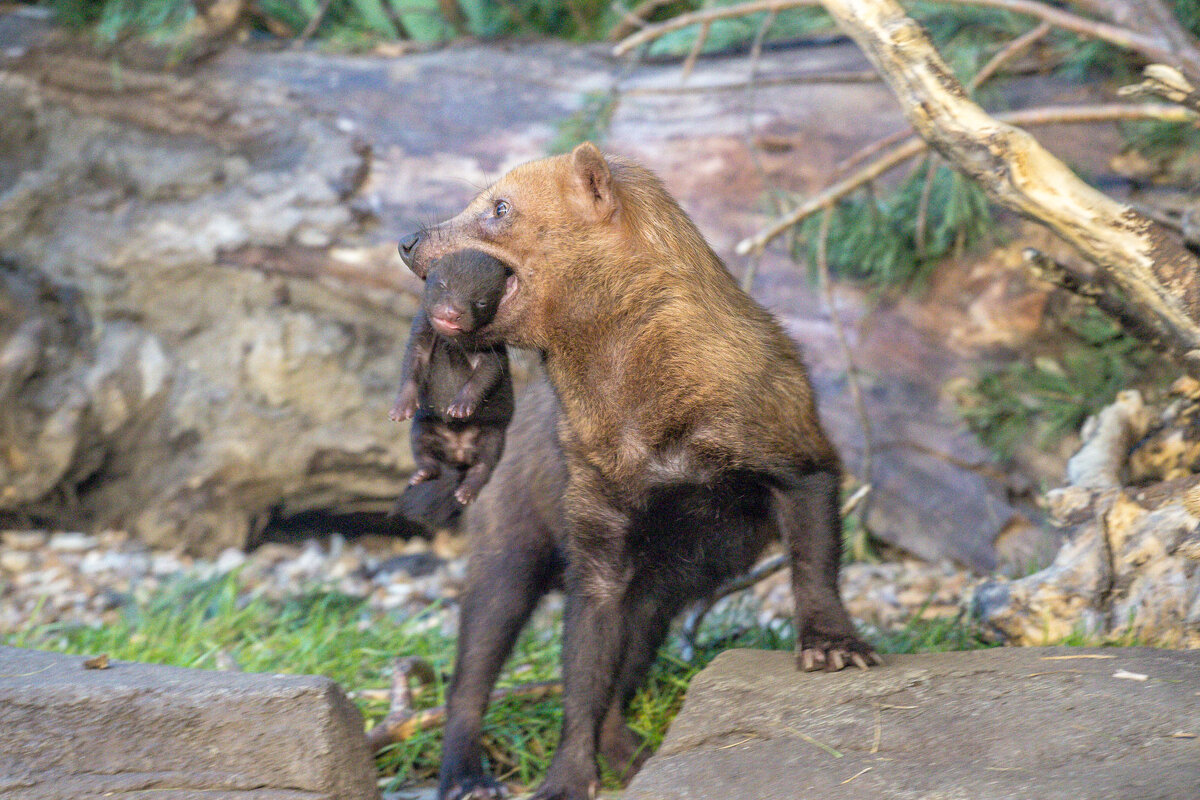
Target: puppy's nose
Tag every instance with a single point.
(407, 245)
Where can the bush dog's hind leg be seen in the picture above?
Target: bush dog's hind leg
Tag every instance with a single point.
(805, 508)
(648, 618)
(504, 585)
(594, 634)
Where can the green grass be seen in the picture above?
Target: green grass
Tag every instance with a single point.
(190, 622)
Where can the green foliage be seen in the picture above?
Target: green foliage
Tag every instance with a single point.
(966, 36)
(1050, 396)
(579, 20)
(733, 35)
(112, 19)
(1159, 139)
(1188, 13)
(875, 241)
(589, 124)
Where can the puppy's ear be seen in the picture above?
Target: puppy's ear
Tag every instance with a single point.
(594, 180)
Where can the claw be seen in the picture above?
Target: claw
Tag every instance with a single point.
(836, 662)
(859, 661)
(878, 659)
(422, 475)
(813, 659)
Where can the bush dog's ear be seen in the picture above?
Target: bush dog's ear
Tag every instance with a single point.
(594, 179)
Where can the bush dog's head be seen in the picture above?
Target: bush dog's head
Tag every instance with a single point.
(579, 234)
(463, 291)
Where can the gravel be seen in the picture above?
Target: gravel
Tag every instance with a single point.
(72, 577)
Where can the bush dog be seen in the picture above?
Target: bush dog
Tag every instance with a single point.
(677, 434)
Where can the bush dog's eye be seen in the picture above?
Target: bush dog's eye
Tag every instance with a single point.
(502, 208)
(481, 303)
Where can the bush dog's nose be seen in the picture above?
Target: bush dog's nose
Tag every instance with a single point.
(407, 245)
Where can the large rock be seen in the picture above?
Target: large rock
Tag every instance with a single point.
(1046, 723)
(1131, 567)
(194, 336)
(68, 732)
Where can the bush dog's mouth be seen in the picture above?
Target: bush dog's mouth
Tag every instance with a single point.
(510, 287)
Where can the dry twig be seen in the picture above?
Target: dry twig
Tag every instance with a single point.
(632, 20)
(313, 23)
(1008, 53)
(402, 724)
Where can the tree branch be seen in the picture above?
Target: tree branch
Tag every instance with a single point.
(1152, 269)
(914, 146)
(1163, 81)
(708, 16)
(1007, 53)
(1065, 20)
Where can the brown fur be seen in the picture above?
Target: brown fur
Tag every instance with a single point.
(686, 434)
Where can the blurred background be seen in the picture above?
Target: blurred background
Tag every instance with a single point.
(202, 313)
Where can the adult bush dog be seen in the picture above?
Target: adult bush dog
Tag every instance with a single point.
(673, 436)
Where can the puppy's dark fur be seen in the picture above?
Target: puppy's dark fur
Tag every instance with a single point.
(456, 387)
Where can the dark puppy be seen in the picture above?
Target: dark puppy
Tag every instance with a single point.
(457, 388)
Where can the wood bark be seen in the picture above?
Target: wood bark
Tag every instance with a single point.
(1158, 275)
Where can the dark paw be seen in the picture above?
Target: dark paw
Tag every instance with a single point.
(460, 409)
(405, 407)
(476, 787)
(833, 653)
(422, 475)
(624, 753)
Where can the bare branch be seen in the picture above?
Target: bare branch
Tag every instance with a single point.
(860, 406)
(915, 146)
(404, 724)
(631, 20)
(1007, 53)
(751, 270)
(707, 16)
(1151, 268)
(1094, 289)
(851, 76)
(701, 38)
(1064, 20)
(313, 23)
(763, 569)
(923, 206)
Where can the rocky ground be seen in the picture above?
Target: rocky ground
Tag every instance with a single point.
(77, 578)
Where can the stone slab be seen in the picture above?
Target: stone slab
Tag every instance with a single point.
(1045, 723)
(141, 730)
